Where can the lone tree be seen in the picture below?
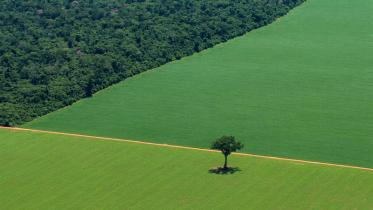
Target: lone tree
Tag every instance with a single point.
(227, 145)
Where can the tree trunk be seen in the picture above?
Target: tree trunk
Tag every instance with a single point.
(225, 161)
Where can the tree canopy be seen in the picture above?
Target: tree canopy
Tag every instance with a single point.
(53, 53)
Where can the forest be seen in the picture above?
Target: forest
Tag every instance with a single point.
(55, 52)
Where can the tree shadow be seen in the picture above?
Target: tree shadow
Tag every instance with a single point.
(224, 171)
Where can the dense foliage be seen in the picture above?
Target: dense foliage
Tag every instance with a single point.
(54, 52)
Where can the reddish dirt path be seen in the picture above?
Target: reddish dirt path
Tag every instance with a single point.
(184, 147)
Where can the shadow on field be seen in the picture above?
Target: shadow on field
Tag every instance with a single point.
(223, 171)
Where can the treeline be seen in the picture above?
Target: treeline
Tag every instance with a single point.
(55, 52)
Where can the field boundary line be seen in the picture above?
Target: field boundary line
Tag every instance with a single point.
(185, 147)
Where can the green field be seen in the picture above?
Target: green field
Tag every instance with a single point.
(43, 171)
(300, 88)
